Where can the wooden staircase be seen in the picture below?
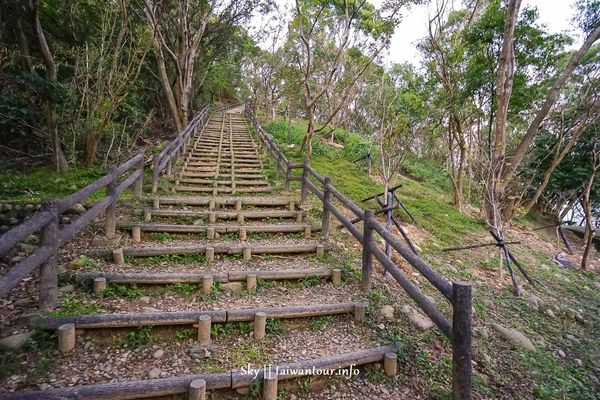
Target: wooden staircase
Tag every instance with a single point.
(239, 279)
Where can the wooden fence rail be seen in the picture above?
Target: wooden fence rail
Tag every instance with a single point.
(47, 222)
(458, 293)
(172, 151)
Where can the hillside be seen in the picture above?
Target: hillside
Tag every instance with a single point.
(559, 315)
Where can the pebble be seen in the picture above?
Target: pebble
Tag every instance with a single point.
(154, 373)
(578, 362)
(158, 353)
(561, 353)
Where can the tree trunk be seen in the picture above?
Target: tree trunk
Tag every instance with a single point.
(589, 225)
(551, 96)
(578, 131)
(58, 157)
(504, 81)
(310, 130)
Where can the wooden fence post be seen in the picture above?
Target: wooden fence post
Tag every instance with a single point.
(367, 255)
(288, 175)
(155, 172)
(278, 164)
(461, 340)
(304, 190)
(326, 212)
(139, 183)
(169, 165)
(110, 224)
(49, 269)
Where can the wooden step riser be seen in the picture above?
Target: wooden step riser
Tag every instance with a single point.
(213, 169)
(224, 215)
(307, 229)
(223, 380)
(226, 201)
(241, 182)
(194, 189)
(168, 279)
(130, 320)
(210, 251)
(221, 174)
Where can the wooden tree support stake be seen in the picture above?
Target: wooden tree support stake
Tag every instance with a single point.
(247, 253)
(270, 385)
(307, 232)
(99, 285)
(147, 215)
(360, 311)
(243, 234)
(336, 277)
(207, 284)
(238, 205)
(204, 326)
(66, 337)
(320, 250)
(197, 390)
(260, 325)
(118, 257)
(209, 253)
(210, 233)
(136, 234)
(251, 282)
(390, 364)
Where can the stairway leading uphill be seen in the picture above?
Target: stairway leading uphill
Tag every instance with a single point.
(222, 271)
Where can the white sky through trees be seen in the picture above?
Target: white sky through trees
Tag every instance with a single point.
(557, 15)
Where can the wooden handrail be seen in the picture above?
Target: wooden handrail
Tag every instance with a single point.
(458, 293)
(171, 152)
(47, 222)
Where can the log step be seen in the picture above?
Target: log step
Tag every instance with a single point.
(226, 201)
(238, 182)
(170, 278)
(181, 188)
(128, 320)
(180, 385)
(265, 228)
(220, 175)
(222, 249)
(297, 215)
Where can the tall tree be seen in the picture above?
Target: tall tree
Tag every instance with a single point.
(326, 30)
(179, 28)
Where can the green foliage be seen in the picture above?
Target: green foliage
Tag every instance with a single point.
(184, 288)
(162, 236)
(71, 306)
(47, 183)
(184, 334)
(318, 324)
(122, 290)
(138, 338)
(274, 326)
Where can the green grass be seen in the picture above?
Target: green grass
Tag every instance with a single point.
(136, 339)
(183, 288)
(122, 290)
(70, 306)
(425, 193)
(46, 182)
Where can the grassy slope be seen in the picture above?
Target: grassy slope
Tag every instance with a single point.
(501, 371)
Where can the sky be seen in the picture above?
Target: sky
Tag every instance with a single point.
(555, 14)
